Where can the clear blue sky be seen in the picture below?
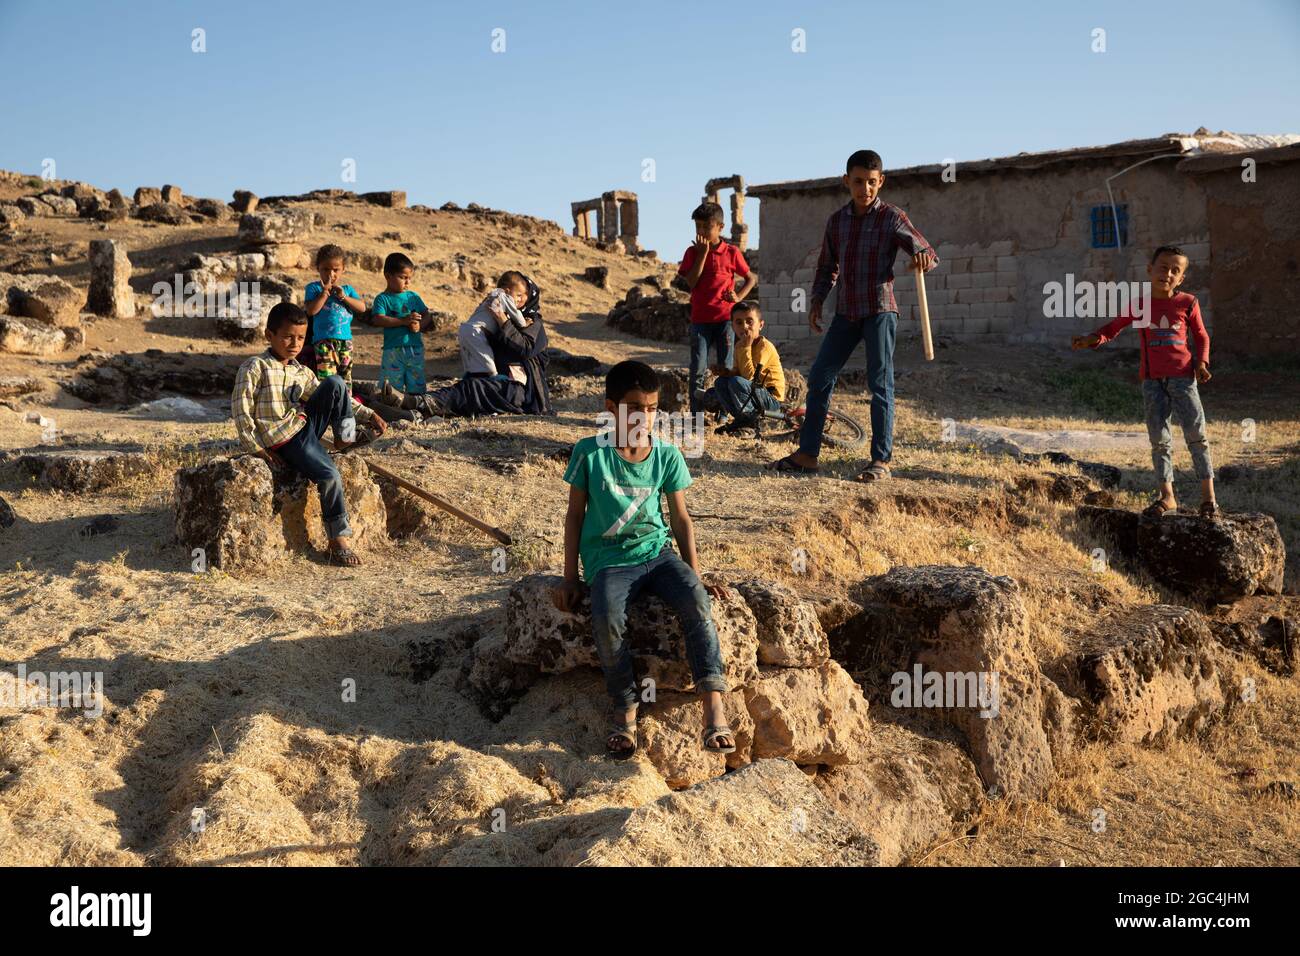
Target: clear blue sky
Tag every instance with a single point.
(584, 92)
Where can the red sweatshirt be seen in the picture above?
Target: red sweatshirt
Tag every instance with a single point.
(1165, 349)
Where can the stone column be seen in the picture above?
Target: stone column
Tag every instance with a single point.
(110, 280)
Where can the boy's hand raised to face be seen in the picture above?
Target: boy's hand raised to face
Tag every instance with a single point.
(567, 596)
(1203, 373)
(1085, 341)
(701, 245)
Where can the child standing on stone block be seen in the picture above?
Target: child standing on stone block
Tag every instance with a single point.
(710, 267)
(615, 527)
(330, 307)
(1175, 357)
(281, 410)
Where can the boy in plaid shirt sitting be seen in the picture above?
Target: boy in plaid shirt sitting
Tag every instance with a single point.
(282, 409)
(862, 240)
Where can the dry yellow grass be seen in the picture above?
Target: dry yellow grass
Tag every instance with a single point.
(227, 694)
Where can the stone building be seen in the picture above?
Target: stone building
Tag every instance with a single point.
(1006, 228)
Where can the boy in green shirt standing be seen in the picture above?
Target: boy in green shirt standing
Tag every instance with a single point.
(402, 314)
(615, 525)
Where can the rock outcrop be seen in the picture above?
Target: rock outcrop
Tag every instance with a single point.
(1216, 561)
(1148, 676)
(954, 641)
(555, 641)
(908, 792)
(227, 507)
(82, 470)
(245, 518)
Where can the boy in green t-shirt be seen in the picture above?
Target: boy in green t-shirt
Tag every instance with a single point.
(616, 526)
(402, 314)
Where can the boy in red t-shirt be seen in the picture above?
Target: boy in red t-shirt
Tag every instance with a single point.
(1175, 356)
(710, 267)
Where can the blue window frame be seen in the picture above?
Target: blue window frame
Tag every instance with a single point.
(1104, 233)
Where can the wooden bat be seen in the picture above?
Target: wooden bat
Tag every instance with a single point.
(927, 343)
(494, 533)
(442, 503)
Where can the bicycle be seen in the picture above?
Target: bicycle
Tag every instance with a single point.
(840, 430)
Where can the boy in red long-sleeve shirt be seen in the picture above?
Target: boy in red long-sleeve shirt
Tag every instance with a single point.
(1175, 357)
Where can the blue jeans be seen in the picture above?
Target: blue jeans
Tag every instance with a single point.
(672, 579)
(328, 406)
(721, 337)
(877, 331)
(734, 395)
(1165, 398)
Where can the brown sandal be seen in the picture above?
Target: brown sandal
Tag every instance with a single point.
(1209, 509)
(345, 556)
(620, 731)
(873, 472)
(790, 466)
(1157, 509)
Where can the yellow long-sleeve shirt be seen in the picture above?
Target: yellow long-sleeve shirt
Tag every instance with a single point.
(762, 353)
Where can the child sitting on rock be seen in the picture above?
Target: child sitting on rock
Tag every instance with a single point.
(1175, 357)
(616, 527)
(756, 382)
(281, 410)
(503, 304)
(331, 307)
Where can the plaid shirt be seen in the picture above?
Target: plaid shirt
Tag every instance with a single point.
(859, 251)
(267, 400)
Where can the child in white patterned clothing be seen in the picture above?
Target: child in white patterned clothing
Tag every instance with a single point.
(503, 302)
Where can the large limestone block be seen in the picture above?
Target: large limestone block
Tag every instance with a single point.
(810, 715)
(556, 641)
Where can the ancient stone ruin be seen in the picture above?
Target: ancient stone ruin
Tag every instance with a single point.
(736, 183)
(616, 220)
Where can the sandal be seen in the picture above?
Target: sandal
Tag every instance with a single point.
(1209, 509)
(1158, 508)
(620, 731)
(716, 733)
(788, 464)
(344, 556)
(873, 472)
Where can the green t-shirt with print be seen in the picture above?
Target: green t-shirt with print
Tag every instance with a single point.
(624, 523)
(399, 305)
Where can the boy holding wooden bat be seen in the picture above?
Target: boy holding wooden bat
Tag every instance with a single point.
(858, 250)
(282, 409)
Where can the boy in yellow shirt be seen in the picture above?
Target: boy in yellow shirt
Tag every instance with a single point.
(757, 382)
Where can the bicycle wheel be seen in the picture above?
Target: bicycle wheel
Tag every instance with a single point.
(841, 431)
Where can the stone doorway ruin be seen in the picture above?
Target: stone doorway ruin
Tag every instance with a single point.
(616, 219)
(736, 183)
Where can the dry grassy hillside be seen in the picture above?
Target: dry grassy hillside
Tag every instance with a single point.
(223, 691)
